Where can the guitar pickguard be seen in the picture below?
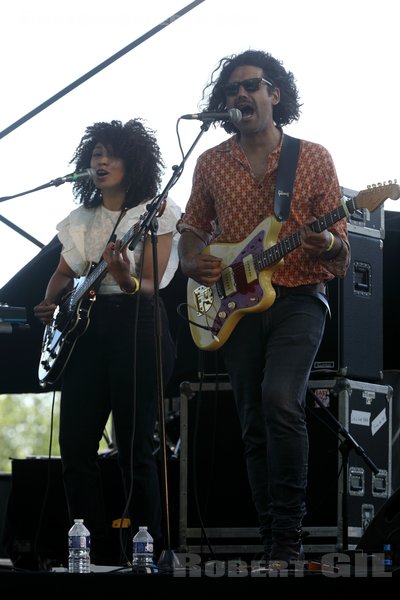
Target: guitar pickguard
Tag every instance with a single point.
(60, 337)
(218, 308)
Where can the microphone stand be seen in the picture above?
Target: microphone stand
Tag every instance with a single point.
(346, 445)
(168, 559)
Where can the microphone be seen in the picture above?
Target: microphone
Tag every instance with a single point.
(72, 177)
(233, 114)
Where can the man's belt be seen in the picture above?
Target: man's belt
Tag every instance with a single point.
(311, 289)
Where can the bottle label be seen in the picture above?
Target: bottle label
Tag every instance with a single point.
(143, 547)
(79, 541)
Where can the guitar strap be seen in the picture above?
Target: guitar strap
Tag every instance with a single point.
(285, 177)
(113, 235)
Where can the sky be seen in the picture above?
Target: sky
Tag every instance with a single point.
(344, 56)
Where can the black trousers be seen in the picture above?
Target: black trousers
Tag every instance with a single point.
(269, 357)
(113, 369)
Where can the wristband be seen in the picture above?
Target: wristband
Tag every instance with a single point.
(137, 286)
(335, 253)
(331, 243)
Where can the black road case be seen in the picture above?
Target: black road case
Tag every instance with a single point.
(215, 507)
(361, 447)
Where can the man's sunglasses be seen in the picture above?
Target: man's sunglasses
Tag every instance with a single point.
(250, 85)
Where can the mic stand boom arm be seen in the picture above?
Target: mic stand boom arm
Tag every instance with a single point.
(53, 182)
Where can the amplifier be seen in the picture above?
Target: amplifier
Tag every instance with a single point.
(352, 345)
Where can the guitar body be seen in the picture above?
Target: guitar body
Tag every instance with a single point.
(60, 336)
(214, 311)
(71, 318)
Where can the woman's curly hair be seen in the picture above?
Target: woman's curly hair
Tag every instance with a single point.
(136, 145)
(288, 108)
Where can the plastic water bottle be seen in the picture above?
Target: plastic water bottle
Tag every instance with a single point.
(78, 548)
(143, 547)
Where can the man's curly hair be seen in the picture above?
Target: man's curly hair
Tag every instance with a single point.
(136, 145)
(288, 108)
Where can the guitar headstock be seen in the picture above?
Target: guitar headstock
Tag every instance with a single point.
(376, 194)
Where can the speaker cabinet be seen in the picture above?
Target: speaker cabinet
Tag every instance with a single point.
(391, 292)
(352, 345)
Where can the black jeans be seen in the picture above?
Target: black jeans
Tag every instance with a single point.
(269, 357)
(110, 360)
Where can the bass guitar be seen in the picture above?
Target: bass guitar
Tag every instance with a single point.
(72, 316)
(245, 284)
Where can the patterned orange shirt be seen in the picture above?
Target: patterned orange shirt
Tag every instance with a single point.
(226, 192)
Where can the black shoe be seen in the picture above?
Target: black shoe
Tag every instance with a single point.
(286, 548)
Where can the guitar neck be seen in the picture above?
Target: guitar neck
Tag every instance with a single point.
(278, 251)
(94, 278)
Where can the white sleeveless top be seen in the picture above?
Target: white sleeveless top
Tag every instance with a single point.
(85, 233)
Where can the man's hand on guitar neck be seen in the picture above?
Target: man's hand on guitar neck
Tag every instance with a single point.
(315, 243)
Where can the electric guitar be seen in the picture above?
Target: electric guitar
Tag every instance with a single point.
(245, 284)
(72, 316)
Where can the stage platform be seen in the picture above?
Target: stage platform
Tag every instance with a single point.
(331, 571)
